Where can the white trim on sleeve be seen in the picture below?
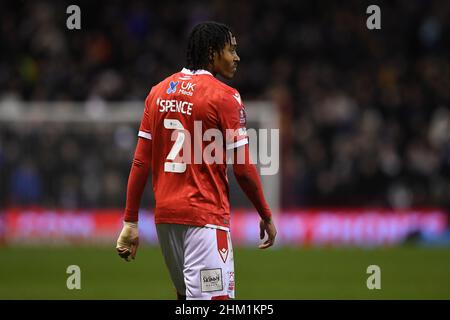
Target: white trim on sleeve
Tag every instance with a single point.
(237, 144)
(242, 131)
(145, 135)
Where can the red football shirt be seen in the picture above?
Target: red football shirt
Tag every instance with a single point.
(189, 183)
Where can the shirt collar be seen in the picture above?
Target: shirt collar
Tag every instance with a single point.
(195, 72)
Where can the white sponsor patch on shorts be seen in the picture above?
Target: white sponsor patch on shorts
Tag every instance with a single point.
(211, 280)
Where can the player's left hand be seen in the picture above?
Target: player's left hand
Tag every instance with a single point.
(128, 241)
(267, 226)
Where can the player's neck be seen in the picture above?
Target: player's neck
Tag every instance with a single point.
(210, 68)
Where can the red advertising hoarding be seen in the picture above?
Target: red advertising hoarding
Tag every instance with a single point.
(335, 227)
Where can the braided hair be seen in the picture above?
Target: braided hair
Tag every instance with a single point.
(205, 39)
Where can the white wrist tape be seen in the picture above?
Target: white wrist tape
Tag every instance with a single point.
(127, 235)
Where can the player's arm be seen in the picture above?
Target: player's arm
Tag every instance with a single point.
(128, 240)
(248, 179)
(140, 170)
(232, 116)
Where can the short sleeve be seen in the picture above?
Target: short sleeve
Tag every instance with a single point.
(145, 129)
(233, 120)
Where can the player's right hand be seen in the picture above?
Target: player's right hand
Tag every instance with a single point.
(128, 240)
(267, 226)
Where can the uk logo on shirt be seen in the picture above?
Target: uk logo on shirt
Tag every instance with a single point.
(173, 87)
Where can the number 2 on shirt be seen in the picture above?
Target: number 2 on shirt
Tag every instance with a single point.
(176, 167)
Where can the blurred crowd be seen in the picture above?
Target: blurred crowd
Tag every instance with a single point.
(365, 117)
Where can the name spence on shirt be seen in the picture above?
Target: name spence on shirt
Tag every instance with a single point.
(174, 105)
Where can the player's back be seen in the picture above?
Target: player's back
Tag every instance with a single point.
(189, 174)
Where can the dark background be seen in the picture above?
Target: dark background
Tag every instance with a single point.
(365, 115)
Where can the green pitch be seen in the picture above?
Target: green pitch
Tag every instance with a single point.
(280, 273)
